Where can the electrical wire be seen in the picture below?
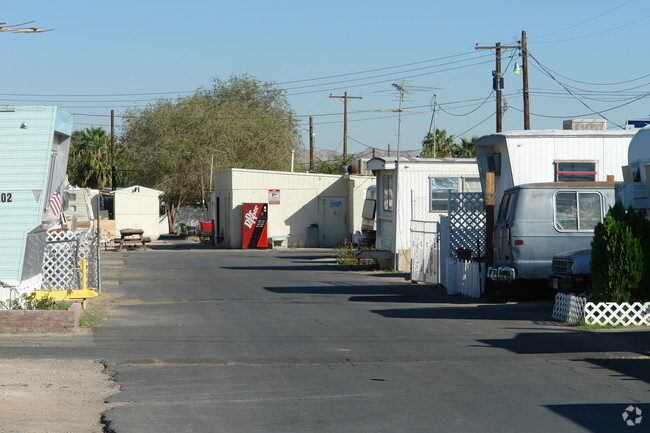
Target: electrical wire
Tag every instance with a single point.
(550, 75)
(582, 22)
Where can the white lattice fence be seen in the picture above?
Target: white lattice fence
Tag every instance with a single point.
(61, 259)
(617, 314)
(467, 222)
(569, 308)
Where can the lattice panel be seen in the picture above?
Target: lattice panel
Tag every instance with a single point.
(569, 308)
(88, 247)
(59, 261)
(617, 314)
(467, 222)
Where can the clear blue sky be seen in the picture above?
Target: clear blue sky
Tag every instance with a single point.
(118, 54)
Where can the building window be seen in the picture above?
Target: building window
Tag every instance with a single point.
(471, 184)
(440, 188)
(387, 192)
(576, 171)
(577, 211)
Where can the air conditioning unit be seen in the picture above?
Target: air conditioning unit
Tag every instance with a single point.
(585, 124)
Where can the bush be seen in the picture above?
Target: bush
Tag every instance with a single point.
(620, 256)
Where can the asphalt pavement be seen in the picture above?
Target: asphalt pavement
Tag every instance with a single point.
(205, 340)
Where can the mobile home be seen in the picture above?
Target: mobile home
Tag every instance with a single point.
(415, 189)
(520, 157)
(35, 142)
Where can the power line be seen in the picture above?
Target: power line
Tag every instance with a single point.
(582, 22)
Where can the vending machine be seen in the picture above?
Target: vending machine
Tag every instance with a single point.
(254, 231)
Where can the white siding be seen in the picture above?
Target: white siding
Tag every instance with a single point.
(411, 195)
(138, 207)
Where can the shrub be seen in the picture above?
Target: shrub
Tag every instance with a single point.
(618, 259)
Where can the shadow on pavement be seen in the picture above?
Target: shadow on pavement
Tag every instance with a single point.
(604, 418)
(575, 342)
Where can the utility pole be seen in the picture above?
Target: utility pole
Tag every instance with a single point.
(524, 55)
(311, 143)
(113, 169)
(497, 83)
(345, 121)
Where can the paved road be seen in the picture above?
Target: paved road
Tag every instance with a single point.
(284, 341)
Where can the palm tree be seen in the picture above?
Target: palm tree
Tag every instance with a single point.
(443, 147)
(89, 161)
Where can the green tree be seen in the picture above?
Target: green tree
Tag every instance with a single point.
(445, 146)
(617, 258)
(173, 146)
(334, 166)
(89, 158)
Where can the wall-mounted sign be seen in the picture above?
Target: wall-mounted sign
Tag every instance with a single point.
(274, 196)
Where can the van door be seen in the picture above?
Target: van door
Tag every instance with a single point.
(502, 247)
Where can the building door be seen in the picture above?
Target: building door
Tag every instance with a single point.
(332, 221)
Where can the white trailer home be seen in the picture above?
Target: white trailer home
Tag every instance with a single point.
(35, 142)
(304, 209)
(411, 189)
(520, 157)
(635, 191)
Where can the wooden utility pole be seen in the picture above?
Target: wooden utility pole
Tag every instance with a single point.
(524, 56)
(311, 143)
(113, 169)
(497, 78)
(497, 86)
(345, 121)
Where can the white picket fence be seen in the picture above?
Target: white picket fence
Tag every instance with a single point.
(465, 277)
(572, 309)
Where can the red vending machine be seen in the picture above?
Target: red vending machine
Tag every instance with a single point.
(254, 217)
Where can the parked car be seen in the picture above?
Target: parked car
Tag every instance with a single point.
(570, 272)
(536, 222)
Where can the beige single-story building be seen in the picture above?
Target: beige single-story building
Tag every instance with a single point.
(308, 209)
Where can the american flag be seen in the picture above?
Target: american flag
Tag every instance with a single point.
(55, 201)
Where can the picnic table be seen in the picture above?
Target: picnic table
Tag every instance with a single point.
(132, 237)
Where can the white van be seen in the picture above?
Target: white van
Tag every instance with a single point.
(538, 221)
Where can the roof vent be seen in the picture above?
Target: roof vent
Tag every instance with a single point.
(585, 124)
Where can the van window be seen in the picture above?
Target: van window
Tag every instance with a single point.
(439, 189)
(577, 211)
(506, 203)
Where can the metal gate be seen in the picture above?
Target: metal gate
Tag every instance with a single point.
(425, 252)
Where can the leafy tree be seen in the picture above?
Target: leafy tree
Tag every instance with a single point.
(173, 146)
(89, 159)
(334, 166)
